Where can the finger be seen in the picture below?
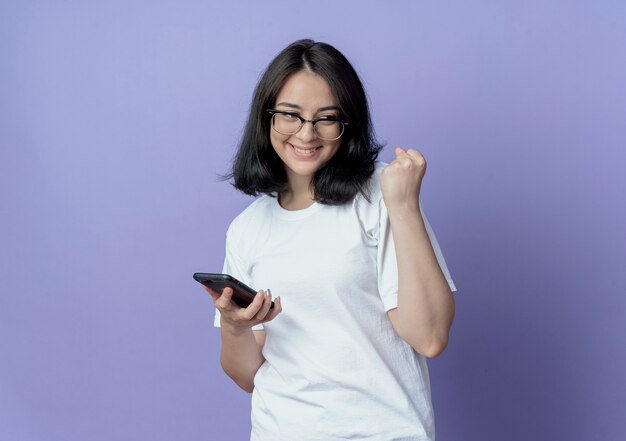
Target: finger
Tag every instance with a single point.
(417, 158)
(224, 301)
(254, 307)
(403, 162)
(278, 307)
(267, 303)
(399, 152)
(414, 153)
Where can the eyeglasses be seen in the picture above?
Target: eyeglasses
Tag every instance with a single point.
(327, 128)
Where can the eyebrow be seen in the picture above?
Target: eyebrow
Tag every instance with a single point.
(295, 106)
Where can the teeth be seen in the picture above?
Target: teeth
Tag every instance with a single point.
(305, 152)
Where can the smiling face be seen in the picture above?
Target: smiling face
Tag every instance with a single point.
(303, 153)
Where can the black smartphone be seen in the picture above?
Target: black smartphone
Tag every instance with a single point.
(242, 293)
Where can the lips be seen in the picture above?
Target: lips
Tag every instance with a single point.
(305, 152)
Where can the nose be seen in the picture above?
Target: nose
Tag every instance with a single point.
(307, 132)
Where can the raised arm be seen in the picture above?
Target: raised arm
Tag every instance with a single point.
(425, 303)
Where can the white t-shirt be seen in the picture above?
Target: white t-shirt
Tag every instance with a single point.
(334, 367)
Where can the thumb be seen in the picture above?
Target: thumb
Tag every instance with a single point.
(399, 151)
(227, 294)
(223, 301)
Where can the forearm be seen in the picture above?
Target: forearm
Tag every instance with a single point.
(425, 303)
(241, 356)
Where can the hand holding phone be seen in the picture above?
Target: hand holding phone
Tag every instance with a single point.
(243, 295)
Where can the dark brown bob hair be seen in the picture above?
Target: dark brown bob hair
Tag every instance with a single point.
(257, 169)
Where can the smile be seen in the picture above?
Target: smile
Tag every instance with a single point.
(305, 153)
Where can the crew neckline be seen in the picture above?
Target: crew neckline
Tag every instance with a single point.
(295, 214)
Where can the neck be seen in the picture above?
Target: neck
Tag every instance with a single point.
(299, 194)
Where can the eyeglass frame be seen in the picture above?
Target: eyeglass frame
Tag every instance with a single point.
(273, 112)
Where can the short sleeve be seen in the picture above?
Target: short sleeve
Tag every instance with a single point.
(234, 266)
(386, 259)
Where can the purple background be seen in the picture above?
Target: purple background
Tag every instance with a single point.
(116, 117)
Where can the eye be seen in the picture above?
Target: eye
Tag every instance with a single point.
(328, 118)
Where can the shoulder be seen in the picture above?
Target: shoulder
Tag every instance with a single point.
(374, 193)
(368, 208)
(252, 215)
(375, 179)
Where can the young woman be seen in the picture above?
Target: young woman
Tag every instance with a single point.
(363, 292)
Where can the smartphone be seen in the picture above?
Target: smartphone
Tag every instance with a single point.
(242, 293)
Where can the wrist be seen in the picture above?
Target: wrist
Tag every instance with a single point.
(409, 212)
(233, 330)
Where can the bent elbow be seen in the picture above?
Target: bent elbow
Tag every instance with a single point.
(434, 349)
(429, 349)
(247, 387)
(244, 383)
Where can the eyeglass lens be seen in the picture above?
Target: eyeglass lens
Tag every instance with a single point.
(290, 124)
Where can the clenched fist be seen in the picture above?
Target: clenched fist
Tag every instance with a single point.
(401, 180)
